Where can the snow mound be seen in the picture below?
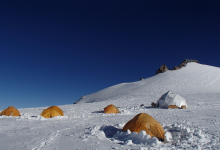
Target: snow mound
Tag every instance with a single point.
(117, 136)
(177, 136)
(185, 136)
(30, 117)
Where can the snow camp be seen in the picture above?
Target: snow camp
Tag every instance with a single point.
(110, 75)
(85, 126)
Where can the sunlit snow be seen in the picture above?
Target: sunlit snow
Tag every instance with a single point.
(84, 126)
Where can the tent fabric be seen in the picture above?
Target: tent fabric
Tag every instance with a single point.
(111, 109)
(10, 111)
(147, 123)
(171, 98)
(52, 112)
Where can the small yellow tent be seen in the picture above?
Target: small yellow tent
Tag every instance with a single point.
(52, 112)
(147, 123)
(10, 111)
(111, 109)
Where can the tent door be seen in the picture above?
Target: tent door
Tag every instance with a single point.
(11, 114)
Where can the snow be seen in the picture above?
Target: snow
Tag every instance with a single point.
(84, 126)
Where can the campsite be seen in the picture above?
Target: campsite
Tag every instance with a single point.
(110, 75)
(85, 126)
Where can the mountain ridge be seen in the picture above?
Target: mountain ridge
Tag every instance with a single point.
(193, 78)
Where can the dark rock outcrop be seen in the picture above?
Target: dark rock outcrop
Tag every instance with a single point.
(190, 60)
(162, 69)
(175, 68)
(183, 64)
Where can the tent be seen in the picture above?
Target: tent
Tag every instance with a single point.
(171, 100)
(52, 112)
(10, 111)
(111, 109)
(147, 123)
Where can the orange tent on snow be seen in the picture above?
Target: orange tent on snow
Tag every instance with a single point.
(111, 109)
(52, 112)
(147, 123)
(10, 111)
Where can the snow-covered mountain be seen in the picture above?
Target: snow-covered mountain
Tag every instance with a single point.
(84, 126)
(193, 79)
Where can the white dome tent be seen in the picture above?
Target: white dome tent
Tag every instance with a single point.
(171, 100)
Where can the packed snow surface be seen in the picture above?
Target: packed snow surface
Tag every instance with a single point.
(84, 126)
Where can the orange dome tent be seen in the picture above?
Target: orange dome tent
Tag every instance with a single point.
(10, 111)
(147, 123)
(52, 112)
(111, 109)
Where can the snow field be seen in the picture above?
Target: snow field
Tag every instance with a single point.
(91, 129)
(84, 126)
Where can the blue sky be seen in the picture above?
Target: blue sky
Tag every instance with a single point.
(53, 52)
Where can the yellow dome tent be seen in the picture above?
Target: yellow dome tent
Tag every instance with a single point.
(52, 112)
(10, 111)
(147, 123)
(111, 109)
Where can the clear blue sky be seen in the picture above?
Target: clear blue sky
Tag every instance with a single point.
(52, 52)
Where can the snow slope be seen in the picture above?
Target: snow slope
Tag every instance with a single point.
(194, 78)
(84, 126)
